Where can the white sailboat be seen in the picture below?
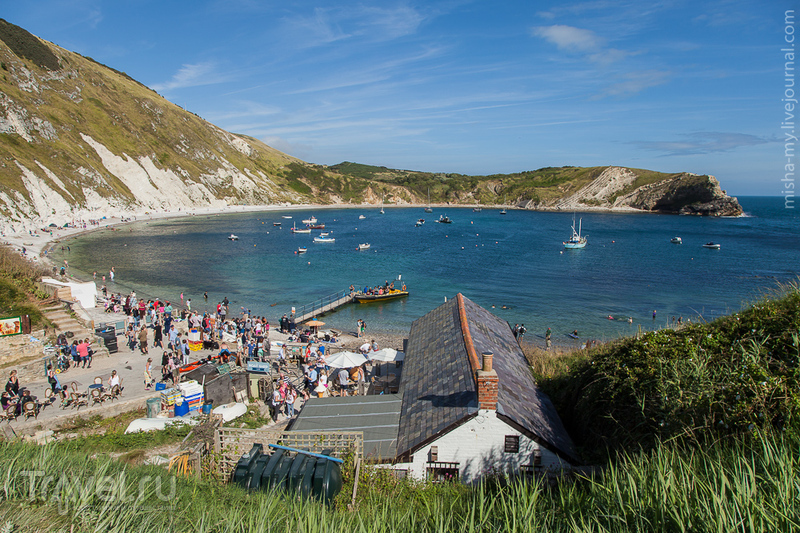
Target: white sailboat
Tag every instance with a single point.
(428, 209)
(382, 200)
(576, 241)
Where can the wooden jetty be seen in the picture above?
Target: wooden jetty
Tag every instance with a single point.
(323, 305)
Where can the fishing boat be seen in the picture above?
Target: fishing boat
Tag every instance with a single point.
(444, 219)
(712, 245)
(361, 217)
(420, 222)
(312, 220)
(300, 230)
(428, 208)
(390, 294)
(676, 240)
(576, 241)
(324, 239)
(364, 246)
(233, 237)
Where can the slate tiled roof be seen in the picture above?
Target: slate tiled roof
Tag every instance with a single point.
(438, 386)
(439, 390)
(519, 399)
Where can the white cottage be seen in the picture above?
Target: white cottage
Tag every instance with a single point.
(470, 406)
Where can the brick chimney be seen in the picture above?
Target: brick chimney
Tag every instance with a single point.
(487, 383)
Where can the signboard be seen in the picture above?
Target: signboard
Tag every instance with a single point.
(10, 326)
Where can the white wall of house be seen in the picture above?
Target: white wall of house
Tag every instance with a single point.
(479, 449)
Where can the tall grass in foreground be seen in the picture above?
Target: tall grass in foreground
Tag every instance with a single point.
(725, 487)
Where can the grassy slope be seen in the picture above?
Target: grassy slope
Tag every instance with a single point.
(733, 376)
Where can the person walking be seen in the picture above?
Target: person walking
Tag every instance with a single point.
(148, 374)
(143, 339)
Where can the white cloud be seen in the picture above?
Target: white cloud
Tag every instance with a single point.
(635, 82)
(569, 38)
(192, 76)
(702, 142)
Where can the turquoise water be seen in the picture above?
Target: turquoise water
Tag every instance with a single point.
(628, 269)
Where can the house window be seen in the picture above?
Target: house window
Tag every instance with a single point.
(441, 472)
(512, 444)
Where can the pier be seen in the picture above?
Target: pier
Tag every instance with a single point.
(322, 305)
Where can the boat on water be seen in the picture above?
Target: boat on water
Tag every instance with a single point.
(420, 222)
(477, 209)
(428, 208)
(676, 240)
(503, 211)
(712, 245)
(390, 294)
(233, 237)
(286, 216)
(301, 250)
(316, 226)
(324, 239)
(364, 246)
(444, 219)
(361, 217)
(576, 241)
(325, 234)
(300, 230)
(312, 220)
(276, 223)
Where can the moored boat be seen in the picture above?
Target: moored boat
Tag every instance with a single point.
(444, 219)
(576, 241)
(312, 220)
(388, 295)
(286, 216)
(712, 245)
(300, 230)
(420, 222)
(324, 239)
(676, 240)
(276, 223)
(364, 246)
(301, 250)
(233, 237)
(316, 226)
(361, 217)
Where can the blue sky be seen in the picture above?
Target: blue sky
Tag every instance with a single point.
(475, 87)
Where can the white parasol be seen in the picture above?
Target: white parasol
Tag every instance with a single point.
(345, 360)
(387, 355)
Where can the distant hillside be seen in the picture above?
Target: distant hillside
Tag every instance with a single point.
(79, 140)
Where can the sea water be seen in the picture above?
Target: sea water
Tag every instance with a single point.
(513, 264)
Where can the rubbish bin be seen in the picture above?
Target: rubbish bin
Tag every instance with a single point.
(109, 335)
(154, 407)
(207, 406)
(181, 407)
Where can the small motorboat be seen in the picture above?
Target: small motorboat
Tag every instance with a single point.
(420, 222)
(477, 209)
(364, 246)
(324, 239)
(286, 216)
(300, 230)
(233, 237)
(444, 219)
(712, 245)
(301, 250)
(312, 220)
(324, 234)
(316, 226)
(276, 223)
(676, 240)
(361, 217)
